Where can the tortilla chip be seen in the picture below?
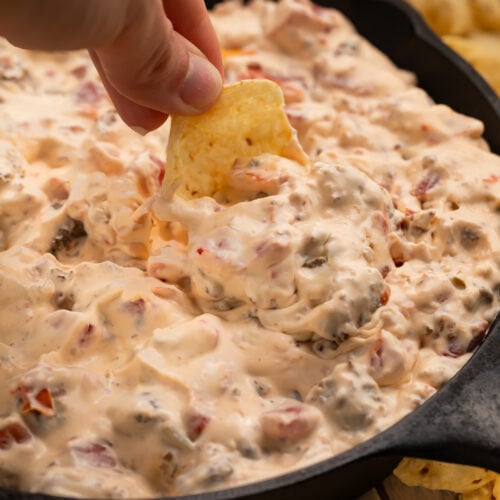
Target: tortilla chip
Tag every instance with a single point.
(483, 493)
(462, 24)
(496, 486)
(447, 17)
(247, 121)
(482, 50)
(443, 476)
(487, 14)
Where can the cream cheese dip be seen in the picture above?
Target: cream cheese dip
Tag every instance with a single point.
(219, 341)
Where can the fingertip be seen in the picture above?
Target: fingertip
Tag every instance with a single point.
(202, 85)
(140, 119)
(139, 130)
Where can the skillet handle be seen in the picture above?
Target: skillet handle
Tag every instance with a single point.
(461, 423)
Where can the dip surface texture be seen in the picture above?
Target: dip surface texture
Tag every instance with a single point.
(222, 340)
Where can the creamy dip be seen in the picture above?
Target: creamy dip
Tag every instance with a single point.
(219, 341)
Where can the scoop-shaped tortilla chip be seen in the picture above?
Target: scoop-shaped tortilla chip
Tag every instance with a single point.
(247, 121)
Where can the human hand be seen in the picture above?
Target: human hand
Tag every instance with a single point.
(155, 57)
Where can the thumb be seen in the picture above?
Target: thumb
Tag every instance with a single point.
(151, 71)
(140, 48)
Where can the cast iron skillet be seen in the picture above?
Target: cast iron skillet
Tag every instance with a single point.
(461, 423)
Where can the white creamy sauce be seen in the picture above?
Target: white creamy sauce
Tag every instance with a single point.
(216, 342)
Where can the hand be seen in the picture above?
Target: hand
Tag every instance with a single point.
(154, 57)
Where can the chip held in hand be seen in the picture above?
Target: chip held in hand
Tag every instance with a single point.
(247, 121)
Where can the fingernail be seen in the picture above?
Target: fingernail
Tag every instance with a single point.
(140, 130)
(202, 85)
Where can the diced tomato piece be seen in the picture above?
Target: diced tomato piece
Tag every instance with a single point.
(426, 184)
(95, 455)
(37, 401)
(13, 433)
(491, 179)
(196, 422)
(89, 93)
(161, 175)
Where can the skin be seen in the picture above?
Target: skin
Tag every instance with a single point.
(155, 57)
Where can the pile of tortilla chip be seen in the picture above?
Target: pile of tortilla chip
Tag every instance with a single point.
(473, 483)
(472, 28)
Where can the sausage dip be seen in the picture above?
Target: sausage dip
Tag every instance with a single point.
(218, 341)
